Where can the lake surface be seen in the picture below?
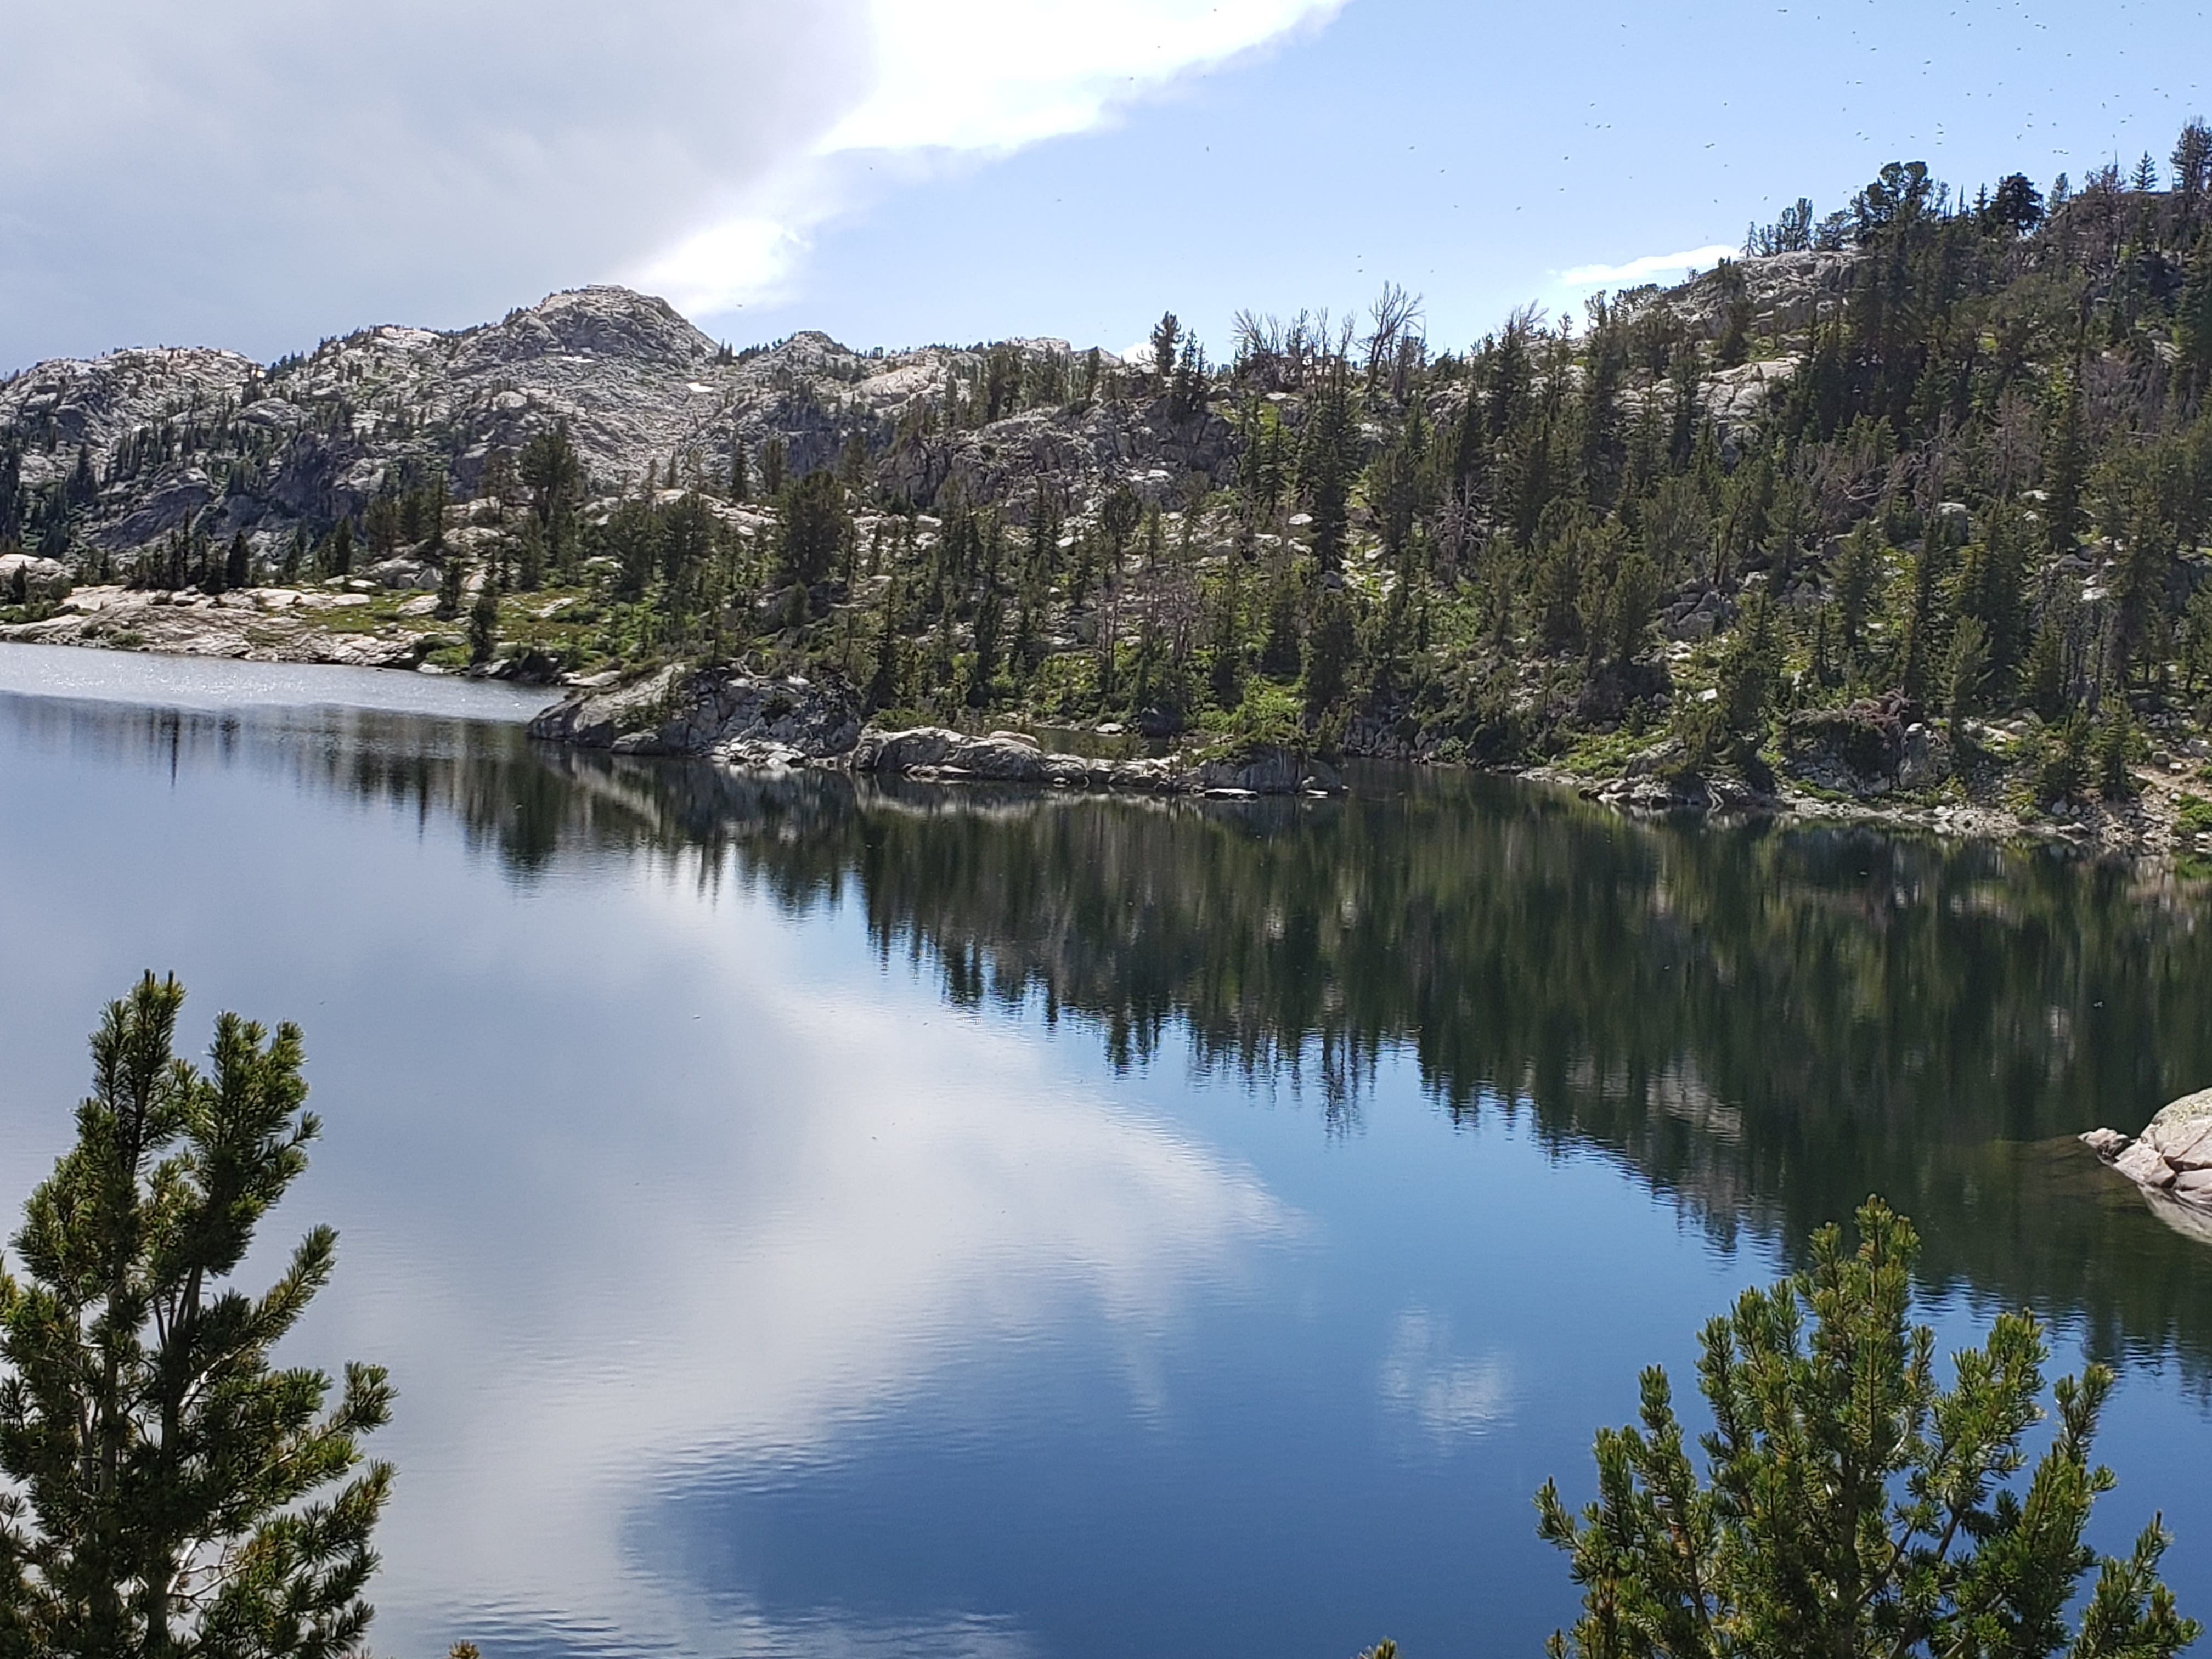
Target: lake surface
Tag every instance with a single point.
(804, 1218)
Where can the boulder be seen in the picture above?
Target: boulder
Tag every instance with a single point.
(402, 573)
(1268, 772)
(1866, 748)
(2172, 1158)
(738, 718)
(953, 755)
(40, 579)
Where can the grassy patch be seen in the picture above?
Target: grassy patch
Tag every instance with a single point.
(1607, 754)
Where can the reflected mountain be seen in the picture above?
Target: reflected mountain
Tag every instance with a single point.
(1763, 1023)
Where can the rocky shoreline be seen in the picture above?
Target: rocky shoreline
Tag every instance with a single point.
(744, 719)
(256, 625)
(748, 720)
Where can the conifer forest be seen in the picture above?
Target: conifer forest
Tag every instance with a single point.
(1911, 494)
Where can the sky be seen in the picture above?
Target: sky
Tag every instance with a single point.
(262, 173)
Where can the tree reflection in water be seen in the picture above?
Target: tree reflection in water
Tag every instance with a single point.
(1763, 1023)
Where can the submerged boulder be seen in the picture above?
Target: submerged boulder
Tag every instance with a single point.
(2172, 1158)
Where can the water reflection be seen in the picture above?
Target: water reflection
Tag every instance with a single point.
(1764, 1024)
(746, 1298)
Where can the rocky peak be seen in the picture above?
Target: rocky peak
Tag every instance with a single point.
(600, 321)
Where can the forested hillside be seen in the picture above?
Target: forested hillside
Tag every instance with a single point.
(1911, 496)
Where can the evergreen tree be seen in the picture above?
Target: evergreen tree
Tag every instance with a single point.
(2063, 463)
(549, 464)
(1856, 575)
(1331, 649)
(2043, 677)
(529, 556)
(1927, 623)
(1280, 649)
(1850, 1504)
(814, 526)
(483, 618)
(1327, 465)
(1167, 335)
(2192, 320)
(165, 1474)
(450, 575)
(888, 672)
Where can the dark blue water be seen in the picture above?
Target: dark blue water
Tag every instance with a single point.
(802, 1219)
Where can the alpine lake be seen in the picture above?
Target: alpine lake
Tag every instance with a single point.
(808, 1216)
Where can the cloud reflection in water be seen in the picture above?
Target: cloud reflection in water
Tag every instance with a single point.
(868, 1193)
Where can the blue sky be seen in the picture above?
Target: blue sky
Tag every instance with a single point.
(902, 171)
(1475, 153)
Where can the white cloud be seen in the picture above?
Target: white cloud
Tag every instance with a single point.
(259, 172)
(994, 75)
(256, 172)
(1644, 269)
(953, 80)
(740, 261)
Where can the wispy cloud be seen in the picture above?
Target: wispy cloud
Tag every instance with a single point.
(249, 171)
(1644, 269)
(953, 82)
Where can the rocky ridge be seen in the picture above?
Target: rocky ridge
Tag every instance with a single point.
(198, 438)
(178, 437)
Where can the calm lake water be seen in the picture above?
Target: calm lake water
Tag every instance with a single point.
(804, 1217)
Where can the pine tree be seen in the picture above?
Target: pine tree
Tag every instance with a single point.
(530, 556)
(814, 526)
(1857, 573)
(1167, 335)
(1326, 467)
(483, 618)
(2192, 322)
(2061, 463)
(2044, 675)
(166, 1475)
(888, 670)
(1331, 648)
(450, 576)
(1850, 1504)
(237, 565)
